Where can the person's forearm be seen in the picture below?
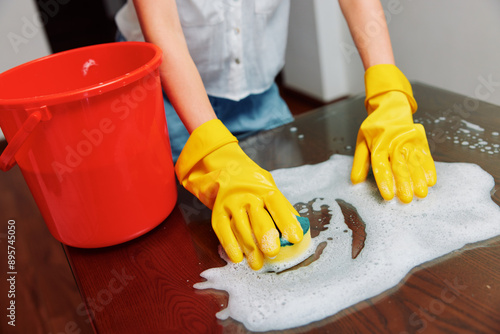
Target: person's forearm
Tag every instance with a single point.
(368, 27)
(180, 78)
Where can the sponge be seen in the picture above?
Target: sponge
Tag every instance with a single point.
(290, 251)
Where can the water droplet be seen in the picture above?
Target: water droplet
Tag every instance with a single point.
(465, 143)
(293, 129)
(494, 133)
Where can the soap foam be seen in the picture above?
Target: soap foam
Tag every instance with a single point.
(458, 210)
(87, 65)
(463, 132)
(472, 126)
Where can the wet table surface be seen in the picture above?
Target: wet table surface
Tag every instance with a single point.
(146, 285)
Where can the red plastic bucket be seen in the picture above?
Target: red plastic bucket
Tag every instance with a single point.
(87, 128)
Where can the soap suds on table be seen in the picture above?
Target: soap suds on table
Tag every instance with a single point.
(458, 210)
(461, 132)
(472, 125)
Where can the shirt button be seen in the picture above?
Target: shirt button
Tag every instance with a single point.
(237, 31)
(237, 60)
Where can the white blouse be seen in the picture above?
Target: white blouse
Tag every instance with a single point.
(238, 46)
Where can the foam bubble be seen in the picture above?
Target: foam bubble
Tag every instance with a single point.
(318, 203)
(398, 238)
(472, 126)
(87, 65)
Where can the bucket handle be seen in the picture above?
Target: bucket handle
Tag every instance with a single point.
(7, 160)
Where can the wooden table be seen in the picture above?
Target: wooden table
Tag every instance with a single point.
(146, 285)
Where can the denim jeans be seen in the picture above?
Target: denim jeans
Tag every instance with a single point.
(252, 114)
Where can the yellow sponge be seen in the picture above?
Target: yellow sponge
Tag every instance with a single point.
(290, 251)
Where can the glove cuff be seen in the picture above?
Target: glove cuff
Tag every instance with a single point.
(383, 78)
(204, 140)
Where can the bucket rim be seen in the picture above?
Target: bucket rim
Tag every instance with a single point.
(88, 91)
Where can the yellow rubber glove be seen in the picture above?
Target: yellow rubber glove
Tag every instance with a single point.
(396, 147)
(245, 202)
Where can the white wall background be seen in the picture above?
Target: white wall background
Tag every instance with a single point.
(315, 63)
(22, 37)
(451, 44)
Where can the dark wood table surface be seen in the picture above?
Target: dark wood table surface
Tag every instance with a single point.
(146, 285)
